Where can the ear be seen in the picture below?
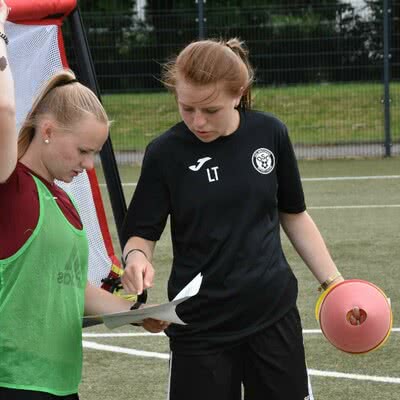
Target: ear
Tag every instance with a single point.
(46, 129)
(237, 101)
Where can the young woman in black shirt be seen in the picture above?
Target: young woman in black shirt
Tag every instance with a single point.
(228, 179)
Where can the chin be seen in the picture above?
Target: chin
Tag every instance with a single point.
(66, 180)
(205, 139)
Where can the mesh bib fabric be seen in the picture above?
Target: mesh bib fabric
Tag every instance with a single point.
(41, 305)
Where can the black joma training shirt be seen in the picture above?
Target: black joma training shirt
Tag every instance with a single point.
(223, 200)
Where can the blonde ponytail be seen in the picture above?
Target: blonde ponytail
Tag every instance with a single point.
(66, 100)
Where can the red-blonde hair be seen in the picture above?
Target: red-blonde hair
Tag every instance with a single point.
(213, 61)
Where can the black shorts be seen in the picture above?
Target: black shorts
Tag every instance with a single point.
(267, 366)
(19, 394)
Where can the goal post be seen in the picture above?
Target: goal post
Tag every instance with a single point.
(36, 51)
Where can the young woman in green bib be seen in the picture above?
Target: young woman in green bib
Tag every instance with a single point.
(42, 237)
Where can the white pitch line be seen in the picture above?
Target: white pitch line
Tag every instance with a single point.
(115, 335)
(312, 372)
(320, 179)
(123, 350)
(359, 377)
(147, 334)
(123, 184)
(311, 331)
(366, 206)
(350, 178)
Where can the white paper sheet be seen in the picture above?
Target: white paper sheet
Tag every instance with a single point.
(164, 312)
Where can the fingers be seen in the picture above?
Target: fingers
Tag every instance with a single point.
(132, 280)
(354, 320)
(357, 317)
(356, 312)
(4, 9)
(138, 275)
(154, 325)
(148, 277)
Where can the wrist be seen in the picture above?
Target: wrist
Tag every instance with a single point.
(129, 252)
(331, 280)
(136, 306)
(3, 36)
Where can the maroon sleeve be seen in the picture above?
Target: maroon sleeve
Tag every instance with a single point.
(17, 221)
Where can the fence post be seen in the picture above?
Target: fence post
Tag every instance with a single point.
(201, 19)
(387, 12)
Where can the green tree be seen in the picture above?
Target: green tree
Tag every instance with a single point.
(106, 6)
(275, 32)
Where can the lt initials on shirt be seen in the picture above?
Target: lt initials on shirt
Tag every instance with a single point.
(212, 174)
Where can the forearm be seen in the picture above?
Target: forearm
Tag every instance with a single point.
(7, 96)
(8, 134)
(99, 301)
(309, 244)
(138, 270)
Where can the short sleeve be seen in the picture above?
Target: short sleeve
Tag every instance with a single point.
(290, 189)
(150, 205)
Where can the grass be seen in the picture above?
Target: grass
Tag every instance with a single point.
(364, 244)
(315, 114)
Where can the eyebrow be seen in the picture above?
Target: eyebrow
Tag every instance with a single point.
(91, 150)
(202, 108)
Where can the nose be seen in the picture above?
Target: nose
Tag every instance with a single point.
(199, 120)
(88, 162)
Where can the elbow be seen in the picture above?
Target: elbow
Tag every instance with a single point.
(8, 163)
(8, 143)
(7, 108)
(6, 173)
(292, 221)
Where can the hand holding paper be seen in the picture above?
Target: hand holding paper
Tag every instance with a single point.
(163, 312)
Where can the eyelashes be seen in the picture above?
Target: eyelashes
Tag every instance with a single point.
(205, 111)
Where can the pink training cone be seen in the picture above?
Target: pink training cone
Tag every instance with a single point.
(335, 306)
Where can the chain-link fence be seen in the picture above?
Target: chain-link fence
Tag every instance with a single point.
(330, 71)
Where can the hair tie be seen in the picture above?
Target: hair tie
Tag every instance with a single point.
(65, 83)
